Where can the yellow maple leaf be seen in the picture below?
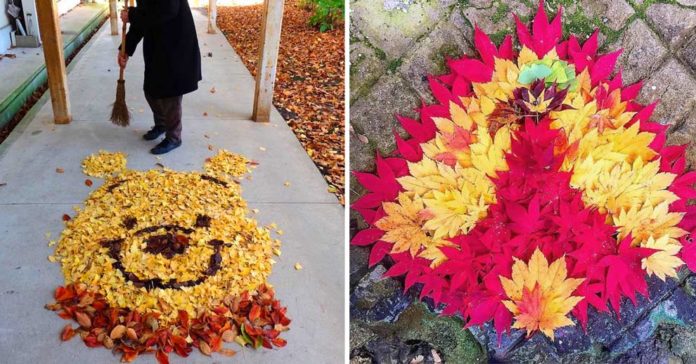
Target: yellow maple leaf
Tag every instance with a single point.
(645, 221)
(664, 261)
(403, 225)
(540, 295)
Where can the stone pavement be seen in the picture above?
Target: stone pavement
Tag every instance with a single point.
(35, 197)
(395, 43)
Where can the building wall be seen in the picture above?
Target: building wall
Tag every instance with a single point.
(4, 27)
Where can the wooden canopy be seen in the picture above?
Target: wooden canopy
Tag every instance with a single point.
(52, 39)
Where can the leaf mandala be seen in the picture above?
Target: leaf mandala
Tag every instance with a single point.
(534, 188)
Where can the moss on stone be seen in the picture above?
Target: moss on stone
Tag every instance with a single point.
(394, 65)
(501, 12)
(498, 36)
(439, 58)
(447, 334)
(579, 24)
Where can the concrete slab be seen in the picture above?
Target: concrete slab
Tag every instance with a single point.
(36, 197)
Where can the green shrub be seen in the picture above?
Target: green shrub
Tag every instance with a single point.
(327, 13)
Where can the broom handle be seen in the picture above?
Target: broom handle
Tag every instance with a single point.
(122, 51)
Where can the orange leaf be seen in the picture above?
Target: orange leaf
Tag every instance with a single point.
(67, 333)
(162, 357)
(255, 312)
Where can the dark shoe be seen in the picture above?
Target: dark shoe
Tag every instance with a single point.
(154, 133)
(165, 146)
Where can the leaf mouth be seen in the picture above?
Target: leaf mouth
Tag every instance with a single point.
(169, 245)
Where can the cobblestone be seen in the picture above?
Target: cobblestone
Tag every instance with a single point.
(673, 22)
(674, 87)
(642, 51)
(613, 13)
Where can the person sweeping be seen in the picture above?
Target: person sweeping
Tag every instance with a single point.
(172, 62)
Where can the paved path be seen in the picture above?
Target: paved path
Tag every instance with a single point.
(35, 197)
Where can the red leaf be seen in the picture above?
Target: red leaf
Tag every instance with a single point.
(67, 333)
(367, 237)
(603, 67)
(378, 252)
(162, 357)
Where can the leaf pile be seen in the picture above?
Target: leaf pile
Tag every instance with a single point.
(104, 164)
(254, 320)
(309, 89)
(226, 163)
(534, 156)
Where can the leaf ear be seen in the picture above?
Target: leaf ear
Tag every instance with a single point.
(105, 164)
(228, 166)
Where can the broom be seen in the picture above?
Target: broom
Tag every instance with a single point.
(119, 113)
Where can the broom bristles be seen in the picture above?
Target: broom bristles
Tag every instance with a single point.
(120, 115)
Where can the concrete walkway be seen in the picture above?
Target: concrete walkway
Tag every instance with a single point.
(35, 197)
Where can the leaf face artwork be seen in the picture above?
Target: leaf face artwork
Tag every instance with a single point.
(166, 245)
(531, 161)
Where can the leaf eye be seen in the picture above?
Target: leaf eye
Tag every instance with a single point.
(203, 221)
(130, 222)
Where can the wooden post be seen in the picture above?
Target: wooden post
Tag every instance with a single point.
(212, 16)
(55, 62)
(113, 16)
(268, 59)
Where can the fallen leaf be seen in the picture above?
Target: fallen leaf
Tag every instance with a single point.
(310, 80)
(67, 333)
(205, 348)
(286, 184)
(83, 319)
(131, 334)
(60, 170)
(298, 266)
(117, 332)
(88, 182)
(212, 90)
(263, 149)
(228, 336)
(66, 217)
(227, 352)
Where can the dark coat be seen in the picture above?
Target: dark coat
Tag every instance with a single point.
(170, 46)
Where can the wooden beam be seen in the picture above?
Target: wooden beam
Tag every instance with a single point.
(212, 16)
(272, 22)
(113, 16)
(52, 39)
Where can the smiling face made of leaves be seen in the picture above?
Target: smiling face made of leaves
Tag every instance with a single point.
(168, 245)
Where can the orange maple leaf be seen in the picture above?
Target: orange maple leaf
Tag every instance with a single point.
(540, 295)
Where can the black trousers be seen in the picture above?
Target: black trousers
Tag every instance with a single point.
(167, 114)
